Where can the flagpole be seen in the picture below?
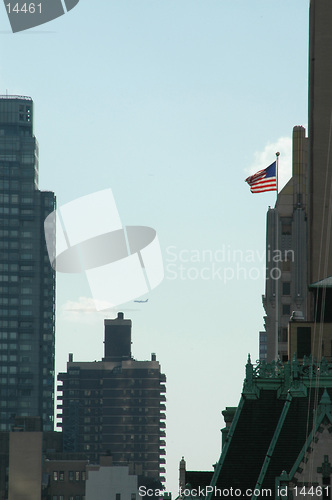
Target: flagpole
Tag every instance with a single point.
(277, 248)
(277, 172)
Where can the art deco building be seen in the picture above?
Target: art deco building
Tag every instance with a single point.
(115, 406)
(286, 288)
(300, 225)
(27, 281)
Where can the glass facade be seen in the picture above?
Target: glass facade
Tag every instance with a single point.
(27, 280)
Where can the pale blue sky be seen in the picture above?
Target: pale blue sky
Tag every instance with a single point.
(171, 103)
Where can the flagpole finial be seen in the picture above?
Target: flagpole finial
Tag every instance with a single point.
(277, 153)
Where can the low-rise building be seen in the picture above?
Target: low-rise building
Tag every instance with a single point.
(110, 482)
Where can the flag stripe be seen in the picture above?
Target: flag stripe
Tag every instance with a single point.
(264, 180)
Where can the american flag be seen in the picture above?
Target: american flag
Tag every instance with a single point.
(264, 180)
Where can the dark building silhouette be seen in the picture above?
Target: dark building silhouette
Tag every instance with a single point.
(115, 406)
(27, 281)
(300, 225)
(283, 427)
(320, 160)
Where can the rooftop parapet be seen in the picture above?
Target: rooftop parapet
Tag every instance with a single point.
(294, 376)
(22, 97)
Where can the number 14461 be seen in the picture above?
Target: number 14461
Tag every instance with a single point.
(26, 8)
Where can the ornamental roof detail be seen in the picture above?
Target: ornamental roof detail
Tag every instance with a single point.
(293, 376)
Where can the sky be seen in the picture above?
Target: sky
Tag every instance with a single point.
(171, 104)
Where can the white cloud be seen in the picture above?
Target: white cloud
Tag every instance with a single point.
(264, 158)
(84, 309)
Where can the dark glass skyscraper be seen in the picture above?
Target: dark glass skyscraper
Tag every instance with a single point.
(27, 280)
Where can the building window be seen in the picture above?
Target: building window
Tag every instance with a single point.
(55, 475)
(283, 335)
(25, 347)
(286, 228)
(286, 288)
(26, 302)
(24, 369)
(77, 475)
(118, 496)
(61, 475)
(303, 341)
(286, 265)
(286, 309)
(27, 200)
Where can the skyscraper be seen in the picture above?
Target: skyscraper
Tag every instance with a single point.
(320, 130)
(301, 222)
(27, 281)
(286, 286)
(115, 406)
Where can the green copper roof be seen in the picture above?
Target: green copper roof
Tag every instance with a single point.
(325, 283)
(281, 407)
